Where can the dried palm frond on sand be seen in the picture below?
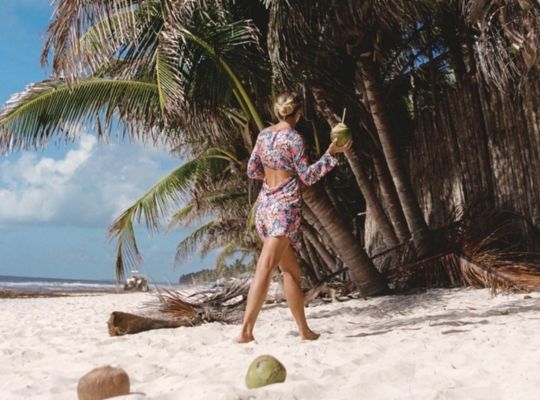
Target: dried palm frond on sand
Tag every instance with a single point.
(482, 249)
(224, 305)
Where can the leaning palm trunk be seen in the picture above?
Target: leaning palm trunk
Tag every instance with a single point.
(313, 221)
(307, 268)
(390, 198)
(362, 271)
(330, 262)
(372, 202)
(409, 203)
(366, 187)
(312, 256)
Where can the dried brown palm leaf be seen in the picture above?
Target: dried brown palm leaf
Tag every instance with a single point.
(508, 42)
(225, 305)
(480, 250)
(454, 270)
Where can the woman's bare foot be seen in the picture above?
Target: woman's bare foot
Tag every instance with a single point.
(244, 338)
(309, 335)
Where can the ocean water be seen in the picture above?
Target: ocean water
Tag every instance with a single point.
(33, 284)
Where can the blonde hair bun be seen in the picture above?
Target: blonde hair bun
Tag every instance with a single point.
(286, 104)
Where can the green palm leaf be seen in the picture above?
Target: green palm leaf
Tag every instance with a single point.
(45, 109)
(203, 207)
(232, 247)
(206, 52)
(165, 80)
(187, 246)
(152, 206)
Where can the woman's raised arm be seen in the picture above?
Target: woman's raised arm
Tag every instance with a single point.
(309, 174)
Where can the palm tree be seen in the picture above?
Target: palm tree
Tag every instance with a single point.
(154, 34)
(96, 92)
(361, 269)
(508, 38)
(353, 34)
(411, 209)
(329, 106)
(181, 50)
(198, 75)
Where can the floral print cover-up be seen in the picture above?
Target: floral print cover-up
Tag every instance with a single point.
(278, 210)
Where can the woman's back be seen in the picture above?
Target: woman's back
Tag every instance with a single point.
(275, 148)
(285, 149)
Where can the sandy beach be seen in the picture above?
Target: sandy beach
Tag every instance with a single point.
(442, 344)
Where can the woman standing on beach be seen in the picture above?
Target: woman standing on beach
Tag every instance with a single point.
(279, 159)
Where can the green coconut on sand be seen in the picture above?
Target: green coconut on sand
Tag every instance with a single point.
(265, 370)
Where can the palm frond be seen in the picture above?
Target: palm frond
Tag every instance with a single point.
(475, 251)
(222, 232)
(508, 43)
(209, 53)
(114, 23)
(225, 305)
(165, 80)
(202, 207)
(51, 108)
(454, 270)
(229, 249)
(187, 246)
(152, 207)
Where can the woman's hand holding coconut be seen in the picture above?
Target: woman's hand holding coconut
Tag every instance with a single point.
(341, 139)
(334, 148)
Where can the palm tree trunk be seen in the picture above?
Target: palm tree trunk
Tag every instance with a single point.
(388, 190)
(312, 220)
(306, 266)
(409, 203)
(328, 259)
(390, 197)
(331, 195)
(362, 271)
(312, 258)
(372, 202)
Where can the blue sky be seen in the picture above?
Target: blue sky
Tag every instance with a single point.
(56, 203)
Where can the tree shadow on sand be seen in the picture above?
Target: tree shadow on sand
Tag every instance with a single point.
(391, 313)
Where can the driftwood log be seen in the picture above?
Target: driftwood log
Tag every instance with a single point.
(121, 323)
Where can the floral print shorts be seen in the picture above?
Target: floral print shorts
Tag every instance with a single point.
(279, 211)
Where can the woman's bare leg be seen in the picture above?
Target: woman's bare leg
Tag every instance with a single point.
(293, 292)
(271, 253)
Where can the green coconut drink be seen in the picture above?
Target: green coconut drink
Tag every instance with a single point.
(265, 370)
(342, 133)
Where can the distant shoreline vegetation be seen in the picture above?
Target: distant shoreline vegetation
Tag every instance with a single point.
(206, 275)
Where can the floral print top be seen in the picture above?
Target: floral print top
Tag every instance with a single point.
(286, 149)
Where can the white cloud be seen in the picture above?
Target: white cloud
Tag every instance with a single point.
(90, 185)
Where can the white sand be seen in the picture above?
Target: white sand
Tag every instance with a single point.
(444, 344)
